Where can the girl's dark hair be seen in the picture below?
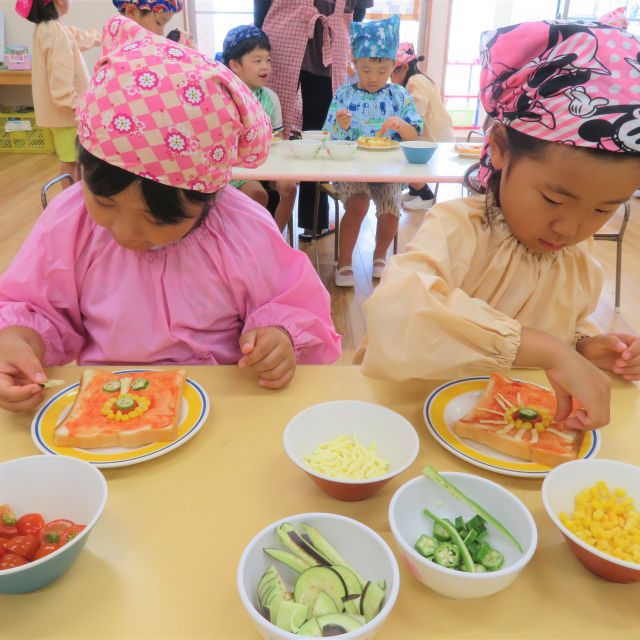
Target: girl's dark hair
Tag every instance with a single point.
(414, 71)
(244, 47)
(520, 145)
(165, 203)
(41, 12)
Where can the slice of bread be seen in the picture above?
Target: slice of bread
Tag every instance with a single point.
(488, 423)
(88, 426)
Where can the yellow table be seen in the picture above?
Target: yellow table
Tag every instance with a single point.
(162, 561)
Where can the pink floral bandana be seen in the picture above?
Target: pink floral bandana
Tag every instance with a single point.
(576, 83)
(165, 112)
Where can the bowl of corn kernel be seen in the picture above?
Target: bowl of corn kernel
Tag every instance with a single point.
(350, 449)
(595, 505)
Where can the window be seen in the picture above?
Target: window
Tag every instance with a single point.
(214, 18)
(589, 9)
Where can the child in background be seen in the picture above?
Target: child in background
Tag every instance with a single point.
(510, 281)
(59, 75)
(151, 260)
(247, 52)
(437, 121)
(371, 107)
(154, 15)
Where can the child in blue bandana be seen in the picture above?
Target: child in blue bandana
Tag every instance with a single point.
(371, 106)
(154, 15)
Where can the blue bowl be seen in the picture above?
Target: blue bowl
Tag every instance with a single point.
(56, 487)
(418, 151)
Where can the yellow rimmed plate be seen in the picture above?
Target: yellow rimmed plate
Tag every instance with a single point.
(451, 401)
(194, 409)
(394, 145)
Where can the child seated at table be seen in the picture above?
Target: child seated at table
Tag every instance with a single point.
(247, 52)
(154, 15)
(438, 126)
(151, 260)
(509, 280)
(371, 107)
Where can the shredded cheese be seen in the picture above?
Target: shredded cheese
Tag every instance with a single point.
(345, 457)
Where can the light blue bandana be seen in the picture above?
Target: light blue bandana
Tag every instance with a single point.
(376, 38)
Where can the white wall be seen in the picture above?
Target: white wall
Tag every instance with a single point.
(84, 14)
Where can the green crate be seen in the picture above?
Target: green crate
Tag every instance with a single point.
(35, 141)
(462, 117)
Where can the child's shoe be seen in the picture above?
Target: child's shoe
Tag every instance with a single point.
(378, 267)
(418, 204)
(345, 277)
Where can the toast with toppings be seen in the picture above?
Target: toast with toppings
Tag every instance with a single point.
(123, 409)
(516, 418)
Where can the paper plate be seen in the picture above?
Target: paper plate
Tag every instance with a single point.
(194, 410)
(449, 402)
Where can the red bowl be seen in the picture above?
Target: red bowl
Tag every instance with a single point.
(348, 492)
(603, 568)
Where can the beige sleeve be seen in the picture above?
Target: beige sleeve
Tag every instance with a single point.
(420, 98)
(85, 39)
(60, 69)
(593, 278)
(420, 322)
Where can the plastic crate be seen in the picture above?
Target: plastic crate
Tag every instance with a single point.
(35, 141)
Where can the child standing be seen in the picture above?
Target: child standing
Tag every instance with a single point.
(247, 52)
(60, 75)
(437, 121)
(371, 107)
(151, 260)
(154, 15)
(510, 280)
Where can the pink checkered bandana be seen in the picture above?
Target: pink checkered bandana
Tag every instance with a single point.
(165, 112)
(577, 83)
(23, 7)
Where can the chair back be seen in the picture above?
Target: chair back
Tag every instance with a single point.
(44, 192)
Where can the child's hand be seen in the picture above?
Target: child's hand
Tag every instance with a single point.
(617, 352)
(20, 373)
(268, 351)
(392, 123)
(572, 376)
(343, 118)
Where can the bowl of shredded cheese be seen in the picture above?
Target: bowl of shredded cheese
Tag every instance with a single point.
(349, 448)
(596, 506)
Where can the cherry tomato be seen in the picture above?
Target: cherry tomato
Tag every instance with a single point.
(24, 546)
(8, 528)
(30, 523)
(71, 533)
(11, 560)
(52, 531)
(44, 550)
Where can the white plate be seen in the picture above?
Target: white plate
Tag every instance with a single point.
(194, 409)
(453, 400)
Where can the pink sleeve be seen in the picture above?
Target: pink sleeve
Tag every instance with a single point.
(276, 285)
(39, 288)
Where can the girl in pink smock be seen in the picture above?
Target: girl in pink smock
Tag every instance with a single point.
(509, 280)
(151, 260)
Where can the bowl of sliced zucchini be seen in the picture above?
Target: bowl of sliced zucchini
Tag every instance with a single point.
(318, 575)
(461, 535)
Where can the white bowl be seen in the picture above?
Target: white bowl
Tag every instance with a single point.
(56, 487)
(559, 491)
(341, 149)
(359, 545)
(396, 442)
(305, 149)
(315, 135)
(408, 523)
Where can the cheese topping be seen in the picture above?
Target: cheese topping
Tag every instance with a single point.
(345, 457)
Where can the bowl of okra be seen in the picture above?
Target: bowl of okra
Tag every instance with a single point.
(461, 535)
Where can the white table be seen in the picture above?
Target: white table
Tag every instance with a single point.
(388, 165)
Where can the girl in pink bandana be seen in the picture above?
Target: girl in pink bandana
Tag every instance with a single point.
(151, 260)
(508, 279)
(60, 75)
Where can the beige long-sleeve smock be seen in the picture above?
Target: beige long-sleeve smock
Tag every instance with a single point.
(60, 75)
(455, 303)
(437, 121)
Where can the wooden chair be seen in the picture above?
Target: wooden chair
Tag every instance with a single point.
(45, 190)
(327, 187)
(613, 231)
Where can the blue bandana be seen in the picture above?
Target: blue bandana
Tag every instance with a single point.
(376, 38)
(238, 35)
(158, 6)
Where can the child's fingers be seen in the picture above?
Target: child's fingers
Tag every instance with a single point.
(261, 350)
(564, 403)
(283, 365)
(247, 342)
(29, 365)
(19, 397)
(280, 382)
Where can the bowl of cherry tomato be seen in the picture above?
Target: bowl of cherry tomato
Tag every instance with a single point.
(48, 507)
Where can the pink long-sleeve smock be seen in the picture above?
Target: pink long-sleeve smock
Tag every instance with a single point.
(187, 303)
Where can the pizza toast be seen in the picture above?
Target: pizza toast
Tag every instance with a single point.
(516, 418)
(123, 410)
